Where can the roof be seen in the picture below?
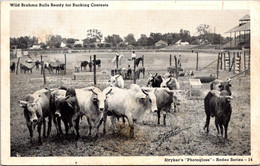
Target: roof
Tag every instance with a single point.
(245, 27)
(78, 42)
(245, 18)
(161, 43)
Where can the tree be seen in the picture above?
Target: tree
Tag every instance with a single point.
(130, 39)
(13, 42)
(69, 42)
(185, 35)
(94, 35)
(88, 41)
(203, 29)
(43, 45)
(54, 41)
(114, 39)
(216, 38)
(154, 38)
(77, 45)
(33, 41)
(171, 38)
(143, 41)
(194, 40)
(23, 42)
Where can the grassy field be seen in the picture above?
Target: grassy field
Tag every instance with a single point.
(150, 139)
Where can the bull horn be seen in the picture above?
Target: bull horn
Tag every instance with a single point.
(229, 97)
(69, 104)
(155, 75)
(52, 90)
(93, 91)
(168, 81)
(117, 76)
(109, 91)
(47, 88)
(146, 88)
(228, 80)
(144, 92)
(67, 97)
(163, 77)
(169, 91)
(22, 102)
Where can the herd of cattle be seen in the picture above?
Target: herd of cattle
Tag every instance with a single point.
(94, 105)
(84, 64)
(52, 66)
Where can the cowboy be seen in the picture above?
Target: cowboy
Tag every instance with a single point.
(133, 55)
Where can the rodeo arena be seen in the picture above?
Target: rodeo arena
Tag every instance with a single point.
(130, 102)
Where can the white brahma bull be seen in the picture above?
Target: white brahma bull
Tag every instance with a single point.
(130, 103)
(116, 81)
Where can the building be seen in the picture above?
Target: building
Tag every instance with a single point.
(79, 42)
(181, 43)
(62, 45)
(240, 34)
(161, 44)
(35, 47)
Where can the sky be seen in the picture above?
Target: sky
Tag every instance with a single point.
(74, 24)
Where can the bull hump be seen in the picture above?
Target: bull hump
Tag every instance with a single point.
(30, 98)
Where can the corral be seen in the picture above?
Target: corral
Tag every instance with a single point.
(183, 135)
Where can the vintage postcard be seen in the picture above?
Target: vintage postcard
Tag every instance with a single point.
(112, 82)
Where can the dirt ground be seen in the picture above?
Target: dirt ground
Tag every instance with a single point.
(183, 135)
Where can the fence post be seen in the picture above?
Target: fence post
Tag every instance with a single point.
(116, 62)
(176, 67)
(143, 61)
(218, 65)
(95, 76)
(244, 61)
(229, 61)
(239, 54)
(17, 65)
(170, 60)
(234, 56)
(224, 61)
(41, 65)
(197, 61)
(143, 65)
(249, 57)
(90, 64)
(44, 78)
(43, 71)
(65, 68)
(221, 61)
(134, 72)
